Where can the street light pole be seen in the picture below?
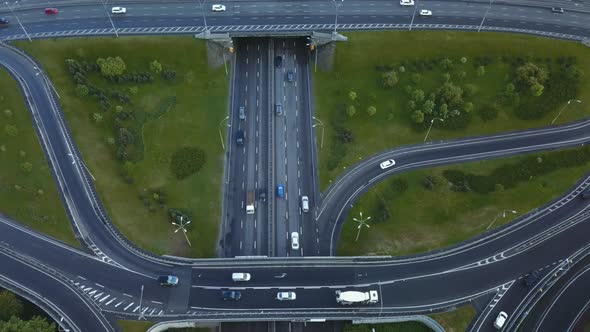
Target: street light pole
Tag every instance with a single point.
(563, 108)
(337, 4)
(182, 226)
(321, 124)
(430, 128)
(362, 222)
(16, 17)
(104, 5)
(503, 214)
(413, 15)
(204, 18)
(219, 129)
(140, 300)
(485, 15)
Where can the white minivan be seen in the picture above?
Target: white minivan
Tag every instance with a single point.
(305, 203)
(240, 276)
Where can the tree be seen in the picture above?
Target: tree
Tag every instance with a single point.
(416, 78)
(451, 95)
(26, 167)
(351, 110)
(389, 79)
(36, 324)
(537, 89)
(156, 67)
(463, 60)
(371, 110)
(111, 66)
(417, 95)
(10, 304)
(8, 113)
(480, 71)
(352, 96)
(418, 116)
(402, 69)
(11, 130)
(186, 161)
(446, 77)
(412, 105)
(97, 117)
(461, 75)
(468, 107)
(428, 106)
(125, 136)
(169, 74)
(446, 64)
(443, 110)
(81, 90)
(529, 74)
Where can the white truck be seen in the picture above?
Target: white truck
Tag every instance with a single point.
(355, 297)
(250, 197)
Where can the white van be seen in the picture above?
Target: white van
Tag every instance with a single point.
(240, 276)
(305, 203)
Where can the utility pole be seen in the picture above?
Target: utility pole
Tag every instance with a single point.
(104, 5)
(430, 128)
(503, 214)
(219, 129)
(485, 15)
(413, 15)
(140, 300)
(337, 4)
(204, 18)
(16, 17)
(321, 124)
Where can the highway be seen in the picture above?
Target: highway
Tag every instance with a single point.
(115, 279)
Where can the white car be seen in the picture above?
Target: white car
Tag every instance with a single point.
(286, 296)
(386, 164)
(500, 320)
(218, 8)
(425, 12)
(406, 2)
(294, 240)
(241, 276)
(118, 10)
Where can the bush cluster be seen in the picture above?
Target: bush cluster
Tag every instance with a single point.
(186, 161)
(509, 175)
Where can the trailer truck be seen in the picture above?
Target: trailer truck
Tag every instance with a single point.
(355, 297)
(250, 197)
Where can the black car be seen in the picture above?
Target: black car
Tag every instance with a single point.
(585, 194)
(557, 10)
(4, 21)
(531, 278)
(279, 61)
(240, 137)
(262, 195)
(231, 295)
(279, 109)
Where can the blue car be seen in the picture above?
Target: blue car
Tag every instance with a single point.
(280, 191)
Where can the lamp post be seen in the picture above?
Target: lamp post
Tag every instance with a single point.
(16, 17)
(204, 18)
(219, 129)
(362, 222)
(321, 124)
(141, 300)
(182, 226)
(485, 15)
(563, 108)
(337, 4)
(413, 15)
(104, 5)
(503, 214)
(430, 128)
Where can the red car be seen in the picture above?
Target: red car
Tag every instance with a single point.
(51, 11)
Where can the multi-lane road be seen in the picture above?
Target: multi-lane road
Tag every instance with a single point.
(115, 279)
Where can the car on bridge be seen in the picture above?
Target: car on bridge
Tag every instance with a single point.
(557, 10)
(119, 10)
(286, 296)
(278, 61)
(240, 137)
(218, 8)
(168, 280)
(280, 191)
(51, 11)
(242, 113)
(585, 194)
(231, 295)
(500, 320)
(295, 241)
(290, 76)
(425, 12)
(4, 21)
(279, 109)
(387, 163)
(406, 2)
(241, 276)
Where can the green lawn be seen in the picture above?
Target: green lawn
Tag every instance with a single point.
(136, 326)
(168, 116)
(358, 66)
(426, 219)
(453, 321)
(28, 197)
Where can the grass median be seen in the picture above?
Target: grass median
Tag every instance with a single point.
(28, 191)
(385, 88)
(146, 124)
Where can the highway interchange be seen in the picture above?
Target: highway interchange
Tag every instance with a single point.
(105, 281)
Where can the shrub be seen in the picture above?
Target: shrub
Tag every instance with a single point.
(381, 211)
(26, 167)
(8, 113)
(111, 66)
(156, 67)
(389, 79)
(371, 110)
(487, 112)
(350, 110)
(344, 135)
(11, 130)
(399, 185)
(187, 161)
(81, 90)
(463, 60)
(480, 71)
(169, 74)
